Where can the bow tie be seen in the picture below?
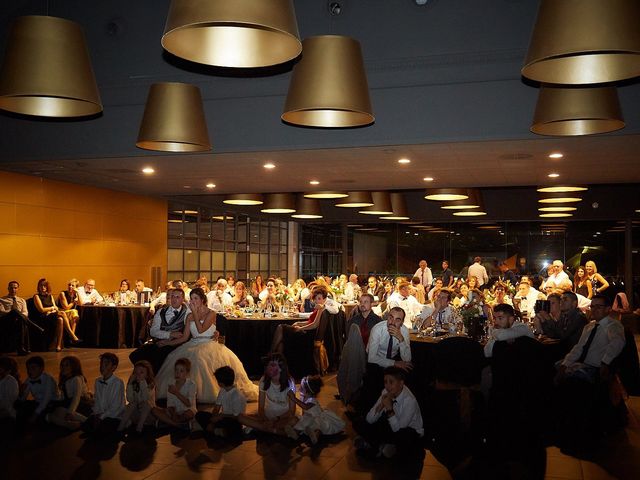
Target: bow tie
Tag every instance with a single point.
(103, 382)
(35, 381)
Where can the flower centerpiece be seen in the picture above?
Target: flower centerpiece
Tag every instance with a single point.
(473, 318)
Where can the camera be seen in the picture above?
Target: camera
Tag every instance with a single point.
(542, 306)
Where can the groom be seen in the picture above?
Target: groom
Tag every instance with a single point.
(168, 324)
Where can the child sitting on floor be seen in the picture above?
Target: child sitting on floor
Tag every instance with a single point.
(108, 405)
(141, 395)
(9, 390)
(40, 387)
(314, 419)
(223, 420)
(181, 398)
(75, 403)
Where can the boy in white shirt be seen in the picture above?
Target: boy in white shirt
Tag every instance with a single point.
(40, 387)
(223, 420)
(108, 404)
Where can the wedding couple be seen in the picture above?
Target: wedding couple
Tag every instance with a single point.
(188, 332)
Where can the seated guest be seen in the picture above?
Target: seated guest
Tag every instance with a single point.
(505, 328)
(600, 343)
(88, 295)
(218, 299)
(439, 313)
(68, 303)
(181, 397)
(231, 285)
(203, 283)
(108, 398)
(527, 296)
(417, 290)
(500, 295)
(375, 289)
(50, 317)
(407, 303)
(14, 318)
(388, 291)
(38, 391)
(570, 323)
(257, 286)
(353, 360)
(268, 298)
(168, 324)
(437, 285)
(161, 300)
(393, 426)
(142, 293)
(141, 397)
(352, 290)
(124, 295)
(567, 286)
(241, 298)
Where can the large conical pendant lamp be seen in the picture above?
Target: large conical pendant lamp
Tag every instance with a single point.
(578, 42)
(47, 70)
(329, 85)
(577, 111)
(174, 119)
(279, 203)
(399, 207)
(232, 33)
(381, 204)
(307, 208)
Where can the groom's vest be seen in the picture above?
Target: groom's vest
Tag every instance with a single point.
(175, 323)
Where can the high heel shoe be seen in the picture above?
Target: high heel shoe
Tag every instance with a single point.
(76, 342)
(58, 349)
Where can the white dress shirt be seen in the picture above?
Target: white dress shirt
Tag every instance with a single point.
(217, 300)
(446, 315)
(42, 389)
(76, 388)
(187, 390)
(9, 392)
(232, 401)
(156, 326)
(379, 341)
(142, 395)
(160, 301)
(352, 291)
(556, 279)
(528, 303)
(426, 278)
(410, 305)
(108, 397)
(406, 412)
(605, 347)
(6, 305)
(478, 271)
(517, 330)
(89, 298)
(331, 306)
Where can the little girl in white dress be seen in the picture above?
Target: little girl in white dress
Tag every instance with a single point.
(314, 419)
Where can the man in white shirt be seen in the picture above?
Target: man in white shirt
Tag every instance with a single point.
(439, 313)
(14, 317)
(527, 295)
(406, 302)
(352, 290)
(477, 270)
(559, 275)
(424, 274)
(505, 327)
(218, 298)
(88, 295)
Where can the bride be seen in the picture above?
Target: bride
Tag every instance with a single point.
(206, 355)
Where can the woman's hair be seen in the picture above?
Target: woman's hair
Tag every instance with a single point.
(284, 371)
(501, 285)
(595, 269)
(199, 292)
(73, 281)
(241, 286)
(185, 362)
(76, 369)
(312, 384)
(44, 282)
(415, 280)
(577, 281)
(151, 379)
(127, 282)
(472, 278)
(320, 290)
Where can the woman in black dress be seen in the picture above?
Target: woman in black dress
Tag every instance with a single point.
(50, 317)
(582, 284)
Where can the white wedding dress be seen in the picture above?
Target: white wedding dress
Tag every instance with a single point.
(206, 357)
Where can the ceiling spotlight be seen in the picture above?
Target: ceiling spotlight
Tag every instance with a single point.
(428, 179)
(556, 155)
(211, 185)
(553, 175)
(314, 182)
(148, 170)
(404, 161)
(469, 213)
(269, 166)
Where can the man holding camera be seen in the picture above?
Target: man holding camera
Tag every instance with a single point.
(568, 327)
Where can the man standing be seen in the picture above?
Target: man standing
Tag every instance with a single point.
(558, 276)
(88, 295)
(424, 274)
(477, 270)
(168, 324)
(569, 326)
(447, 275)
(14, 318)
(506, 275)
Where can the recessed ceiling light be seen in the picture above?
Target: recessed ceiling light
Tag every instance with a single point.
(638, 210)
(446, 194)
(553, 175)
(269, 166)
(244, 199)
(148, 170)
(428, 179)
(556, 155)
(314, 182)
(404, 161)
(186, 186)
(211, 185)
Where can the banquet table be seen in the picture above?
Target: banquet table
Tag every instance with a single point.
(110, 326)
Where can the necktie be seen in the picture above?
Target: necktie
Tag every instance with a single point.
(585, 349)
(422, 277)
(176, 313)
(390, 347)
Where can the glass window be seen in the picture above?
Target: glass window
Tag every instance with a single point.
(217, 261)
(191, 262)
(175, 260)
(205, 260)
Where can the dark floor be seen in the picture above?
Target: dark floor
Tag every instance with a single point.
(52, 454)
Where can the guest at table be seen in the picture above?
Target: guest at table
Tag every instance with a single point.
(438, 284)
(375, 289)
(50, 317)
(14, 318)
(473, 282)
(168, 324)
(364, 318)
(352, 290)
(161, 300)
(407, 303)
(598, 283)
(463, 295)
(424, 274)
(582, 284)
(257, 286)
(124, 295)
(505, 328)
(477, 270)
(500, 295)
(384, 299)
(88, 295)
(268, 298)
(219, 299)
(417, 290)
(438, 314)
(506, 274)
(526, 298)
(300, 290)
(447, 275)
(568, 327)
(142, 294)
(68, 303)
(241, 299)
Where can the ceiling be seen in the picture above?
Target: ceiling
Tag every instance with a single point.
(445, 85)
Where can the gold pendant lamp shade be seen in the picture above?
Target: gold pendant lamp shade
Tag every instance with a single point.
(307, 208)
(329, 85)
(473, 202)
(244, 199)
(399, 207)
(577, 111)
(47, 70)
(174, 119)
(232, 33)
(579, 42)
(381, 204)
(279, 203)
(356, 200)
(446, 194)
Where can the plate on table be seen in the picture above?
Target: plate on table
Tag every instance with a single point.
(304, 314)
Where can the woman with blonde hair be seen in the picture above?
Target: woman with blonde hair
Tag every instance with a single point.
(598, 283)
(241, 298)
(68, 302)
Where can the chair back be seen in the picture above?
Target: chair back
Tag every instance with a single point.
(459, 360)
(627, 365)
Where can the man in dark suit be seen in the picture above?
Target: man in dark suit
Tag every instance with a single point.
(568, 327)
